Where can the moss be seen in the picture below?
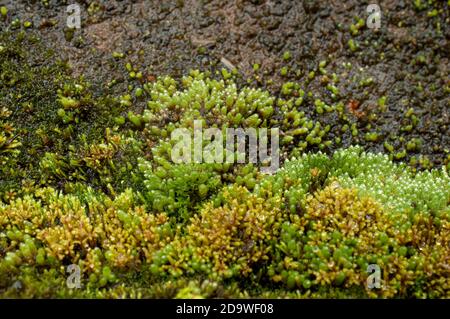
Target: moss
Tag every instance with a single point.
(353, 46)
(4, 11)
(230, 240)
(178, 189)
(100, 237)
(87, 179)
(287, 56)
(314, 226)
(53, 100)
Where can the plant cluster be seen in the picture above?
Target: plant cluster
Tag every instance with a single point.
(87, 179)
(311, 229)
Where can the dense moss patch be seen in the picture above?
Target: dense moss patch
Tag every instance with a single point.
(87, 179)
(311, 229)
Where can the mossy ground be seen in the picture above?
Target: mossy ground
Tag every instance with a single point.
(87, 178)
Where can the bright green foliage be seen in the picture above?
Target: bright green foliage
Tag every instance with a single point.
(177, 189)
(87, 178)
(389, 216)
(393, 185)
(41, 236)
(227, 241)
(309, 230)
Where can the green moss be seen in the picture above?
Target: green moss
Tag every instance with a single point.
(353, 46)
(88, 179)
(287, 56)
(4, 11)
(288, 231)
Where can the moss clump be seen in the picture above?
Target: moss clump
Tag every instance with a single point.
(87, 179)
(309, 230)
(51, 231)
(232, 240)
(342, 234)
(178, 189)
